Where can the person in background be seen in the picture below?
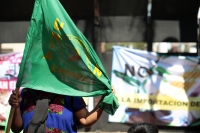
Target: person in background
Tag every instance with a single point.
(143, 128)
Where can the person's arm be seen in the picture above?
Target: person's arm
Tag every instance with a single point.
(87, 119)
(14, 101)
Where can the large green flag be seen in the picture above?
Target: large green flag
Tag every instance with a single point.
(59, 59)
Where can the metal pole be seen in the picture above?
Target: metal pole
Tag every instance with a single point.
(149, 26)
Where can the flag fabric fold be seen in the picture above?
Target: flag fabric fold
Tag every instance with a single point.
(58, 58)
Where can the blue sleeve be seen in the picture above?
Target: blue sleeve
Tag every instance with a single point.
(78, 103)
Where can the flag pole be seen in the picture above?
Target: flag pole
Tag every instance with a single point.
(12, 111)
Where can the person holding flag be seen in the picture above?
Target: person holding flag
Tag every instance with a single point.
(59, 66)
(59, 116)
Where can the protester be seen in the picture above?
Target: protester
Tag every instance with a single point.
(60, 114)
(143, 128)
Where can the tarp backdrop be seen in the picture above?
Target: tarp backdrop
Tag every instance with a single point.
(163, 90)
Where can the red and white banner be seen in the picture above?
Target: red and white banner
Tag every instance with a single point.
(9, 68)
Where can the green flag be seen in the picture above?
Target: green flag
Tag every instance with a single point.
(59, 59)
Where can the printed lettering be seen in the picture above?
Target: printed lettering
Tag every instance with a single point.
(144, 72)
(58, 26)
(131, 70)
(48, 56)
(74, 57)
(54, 68)
(52, 45)
(3, 85)
(56, 36)
(97, 72)
(12, 85)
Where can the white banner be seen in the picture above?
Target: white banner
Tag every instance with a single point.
(163, 90)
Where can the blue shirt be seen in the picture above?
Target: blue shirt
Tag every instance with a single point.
(60, 118)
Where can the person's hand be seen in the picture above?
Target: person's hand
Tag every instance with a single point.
(113, 90)
(15, 100)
